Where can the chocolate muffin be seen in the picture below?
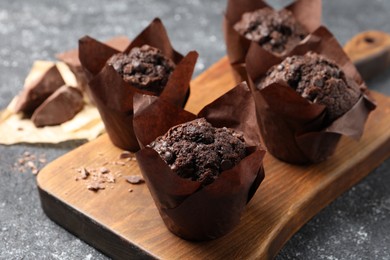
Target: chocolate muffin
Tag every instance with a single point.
(274, 31)
(198, 151)
(317, 79)
(145, 68)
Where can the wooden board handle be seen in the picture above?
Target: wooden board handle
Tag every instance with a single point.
(370, 52)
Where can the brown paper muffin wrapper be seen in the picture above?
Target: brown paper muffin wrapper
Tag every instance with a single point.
(189, 210)
(114, 97)
(71, 59)
(292, 128)
(306, 12)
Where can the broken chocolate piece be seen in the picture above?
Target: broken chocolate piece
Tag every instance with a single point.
(109, 178)
(60, 107)
(84, 173)
(95, 186)
(125, 155)
(37, 91)
(104, 170)
(135, 179)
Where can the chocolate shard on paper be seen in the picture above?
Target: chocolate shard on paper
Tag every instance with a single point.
(114, 96)
(190, 210)
(293, 128)
(58, 108)
(37, 90)
(306, 12)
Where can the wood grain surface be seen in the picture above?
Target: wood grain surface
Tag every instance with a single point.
(370, 52)
(125, 224)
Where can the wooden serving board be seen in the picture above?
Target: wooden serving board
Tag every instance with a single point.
(125, 224)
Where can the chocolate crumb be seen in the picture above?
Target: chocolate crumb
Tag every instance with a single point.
(42, 160)
(120, 163)
(125, 155)
(135, 179)
(95, 186)
(30, 162)
(84, 173)
(104, 170)
(110, 178)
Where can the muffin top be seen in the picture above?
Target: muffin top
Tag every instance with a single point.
(145, 68)
(200, 152)
(274, 31)
(317, 79)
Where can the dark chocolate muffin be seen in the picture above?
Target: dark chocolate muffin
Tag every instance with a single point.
(274, 31)
(198, 151)
(145, 68)
(317, 79)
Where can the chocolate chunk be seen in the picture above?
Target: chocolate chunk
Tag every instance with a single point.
(104, 170)
(135, 179)
(109, 178)
(317, 79)
(274, 31)
(84, 173)
(145, 68)
(168, 156)
(226, 165)
(198, 151)
(60, 107)
(38, 90)
(95, 185)
(125, 155)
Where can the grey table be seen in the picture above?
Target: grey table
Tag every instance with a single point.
(355, 226)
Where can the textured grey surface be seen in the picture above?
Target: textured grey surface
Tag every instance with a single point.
(355, 226)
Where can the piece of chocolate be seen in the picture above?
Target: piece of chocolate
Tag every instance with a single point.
(198, 151)
(135, 179)
(144, 67)
(38, 90)
(126, 155)
(317, 79)
(60, 107)
(96, 185)
(275, 31)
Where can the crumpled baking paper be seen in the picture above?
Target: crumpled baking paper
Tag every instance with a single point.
(16, 129)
